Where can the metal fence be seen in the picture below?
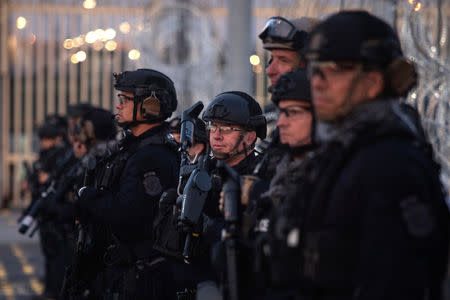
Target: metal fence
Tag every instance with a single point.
(41, 74)
(57, 53)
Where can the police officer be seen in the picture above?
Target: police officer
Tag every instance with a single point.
(93, 135)
(169, 238)
(54, 155)
(126, 193)
(375, 224)
(285, 40)
(271, 271)
(234, 122)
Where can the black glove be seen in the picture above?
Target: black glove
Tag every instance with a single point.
(85, 197)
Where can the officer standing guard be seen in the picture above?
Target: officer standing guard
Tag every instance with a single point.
(125, 195)
(375, 223)
(285, 40)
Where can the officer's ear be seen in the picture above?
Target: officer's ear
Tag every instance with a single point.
(375, 84)
(250, 138)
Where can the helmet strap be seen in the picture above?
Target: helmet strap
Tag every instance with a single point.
(127, 125)
(234, 152)
(352, 88)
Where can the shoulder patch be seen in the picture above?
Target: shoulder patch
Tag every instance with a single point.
(152, 184)
(417, 217)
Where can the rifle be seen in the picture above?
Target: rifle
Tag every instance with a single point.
(199, 183)
(31, 179)
(232, 196)
(87, 259)
(33, 210)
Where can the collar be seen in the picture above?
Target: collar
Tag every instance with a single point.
(381, 115)
(246, 165)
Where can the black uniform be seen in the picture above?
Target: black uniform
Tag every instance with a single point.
(377, 223)
(55, 236)
(125, 201)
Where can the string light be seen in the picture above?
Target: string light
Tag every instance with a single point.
(254, 60)
(21, 22)
(134, 54)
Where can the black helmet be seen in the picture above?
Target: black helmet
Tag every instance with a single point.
(78, 110)
(239, 108)
(95, 125)
(361, 37)
(53, 127)
(280, 33)
(152, 89)
(49, 131)
(292, 86)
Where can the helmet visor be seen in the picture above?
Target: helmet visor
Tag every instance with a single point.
(278, 29)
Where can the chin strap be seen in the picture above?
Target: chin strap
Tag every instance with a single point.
(128, 125)
(233, 151)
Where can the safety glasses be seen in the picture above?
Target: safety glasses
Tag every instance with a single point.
(294, 111)
(124, 98)
(222, 129)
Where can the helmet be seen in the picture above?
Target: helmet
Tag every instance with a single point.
(280, 33)
(239, 108)
(292, 86)
(78, 110)
(361, 37)
(96, 125)
(154, 91)
(49, 131)
(53, 127)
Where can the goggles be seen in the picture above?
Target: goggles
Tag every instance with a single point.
(294, 111)
(278, 29)
(329, 69)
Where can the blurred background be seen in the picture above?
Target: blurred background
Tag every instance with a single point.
(54, 53)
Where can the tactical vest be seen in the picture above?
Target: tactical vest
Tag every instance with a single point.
(113, 170)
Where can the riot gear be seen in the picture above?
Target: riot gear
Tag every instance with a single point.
(237, 108)
(154, 94)
(292, 86)
(200, 135)
(357, 36)
(280, 33)
(54, 126)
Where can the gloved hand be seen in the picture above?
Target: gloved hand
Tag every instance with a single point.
(85, 196)
(168, 199)
(251, 188)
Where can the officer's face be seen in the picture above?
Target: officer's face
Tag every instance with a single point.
(47, 143)
(224, 137)
(338, 87)
(125, 108)
(282, 61)
(294, 122)
(79, 149)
